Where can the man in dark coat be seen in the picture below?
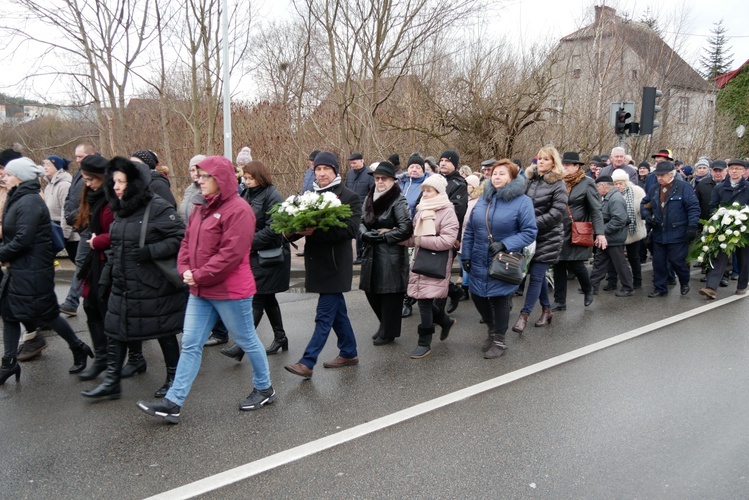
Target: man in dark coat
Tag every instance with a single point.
(735, 189)
(671, 207)
(328, 262)
(619, 161)
(457, 193)
(704, 188)
(360, 182)
(614, 209)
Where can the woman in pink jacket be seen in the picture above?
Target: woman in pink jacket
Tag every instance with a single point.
(435, 228)
(214, 259)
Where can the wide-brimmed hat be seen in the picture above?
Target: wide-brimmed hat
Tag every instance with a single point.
(663, 153)
(664, 167)
(384, 168)
(572, 157)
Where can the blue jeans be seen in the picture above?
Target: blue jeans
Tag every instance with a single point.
(200, 316)
(331, 313)
(537, 288)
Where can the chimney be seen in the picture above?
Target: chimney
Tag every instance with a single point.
(603, 13)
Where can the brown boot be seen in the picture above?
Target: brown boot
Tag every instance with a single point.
(520, 323)
(545, 318)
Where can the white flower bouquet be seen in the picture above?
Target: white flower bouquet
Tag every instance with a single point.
(724, 232)
(309, 210)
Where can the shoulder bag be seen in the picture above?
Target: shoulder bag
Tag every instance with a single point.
(168, 266)
(431, 263)
(58, 237)
(582, 232)
(505, 266)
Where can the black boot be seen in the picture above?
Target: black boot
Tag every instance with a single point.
(425, 342)
(466, 294)
(80, 351)
(454, 292)
(9, 368)
(99, 339)
(161, 391)
(234, 351)
(136, 363)
(407, 310)
(280, 341)
(110, 388)
(447, 323)
(489, 340)
(497, 348)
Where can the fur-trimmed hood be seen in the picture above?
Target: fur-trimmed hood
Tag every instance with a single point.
(551, 177)
(137, 193)
(508, 192)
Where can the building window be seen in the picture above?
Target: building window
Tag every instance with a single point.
(710, 104)
(683, 109)
(576, 73)
(575, 65)
(556, 112)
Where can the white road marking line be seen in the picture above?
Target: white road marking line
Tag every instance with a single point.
(248, 470)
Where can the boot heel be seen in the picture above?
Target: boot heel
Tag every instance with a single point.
(285, 345)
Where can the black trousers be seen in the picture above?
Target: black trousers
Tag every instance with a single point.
(387, 308)
(577, 267)
(12, 333)
(612, 255)
(495, 311)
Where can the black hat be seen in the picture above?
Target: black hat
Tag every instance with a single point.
(451, 155)
(488, 163)
(147, 157)
(8, 154)
(313, 154)
(94, 164)
(395, 159)
(329, 159)
(719, 165)
(417, 159)
(517, 162)
(572, 157)
(384, 168)
(664, 167)
(737, 161)
(605, 178)
(595, 159)
(663, 153)
(355, 156)
(643, 164)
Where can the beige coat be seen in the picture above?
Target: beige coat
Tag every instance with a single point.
(54, 196)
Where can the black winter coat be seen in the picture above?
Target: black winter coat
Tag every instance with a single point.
(143, 304)
(161, 186)
(725, 194)
(360, 181)
(73, 200)
(457, 193)
(269, 278)
(704, 192)
(585, 205)
(28, 287)
(384, 267)
(549, 195)
(328, 255)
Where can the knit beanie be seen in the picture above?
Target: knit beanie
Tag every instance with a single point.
(196, 159)
(472, 180)
(24, 168)
(147, 157)
(326, 158)
(395, 159)
(620, 175)
(244, 156)
(417, 159)
(8, 154)
(452, 156)
(436, 182)
(59, 163)
(703, 162)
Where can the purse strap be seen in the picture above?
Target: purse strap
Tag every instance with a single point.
(144, 224)
(570, 212)
(486, 219)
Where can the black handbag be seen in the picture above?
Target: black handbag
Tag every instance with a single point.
(168, 266)
(505, 266)
(431, 263)
(270, 257)
(58, 237)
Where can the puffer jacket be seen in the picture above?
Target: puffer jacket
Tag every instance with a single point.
(447, 227)
(411, 189)
(549, 195)
(681, 211)
(216, 247)
(511, 220)
(585, 205)
(641, 231)
(359, 181)
(384, 267)
(28, 287)
(55, 195)
(272, 278)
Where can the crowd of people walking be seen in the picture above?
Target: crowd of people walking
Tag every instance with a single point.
(211, 267)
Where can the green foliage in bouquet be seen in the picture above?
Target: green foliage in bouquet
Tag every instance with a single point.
(309, 210)
(725, 231)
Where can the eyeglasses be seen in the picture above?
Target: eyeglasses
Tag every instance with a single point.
(205, 177)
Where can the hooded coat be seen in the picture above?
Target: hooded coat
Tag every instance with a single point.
(217, 243)
(142, 304)
(549, 195)
(28, 287)
(384, 267)
(272, 278)
(512, 221)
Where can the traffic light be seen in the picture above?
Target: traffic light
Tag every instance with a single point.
(620, 122)
(649, 109)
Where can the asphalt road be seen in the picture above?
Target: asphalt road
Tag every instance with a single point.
(659, 415)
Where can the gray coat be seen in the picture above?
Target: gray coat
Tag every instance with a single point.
(614, 209)
(585, 205)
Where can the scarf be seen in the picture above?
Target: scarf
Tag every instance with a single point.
(573, 180)
(629, 197)
(425, 215)
(335, 182)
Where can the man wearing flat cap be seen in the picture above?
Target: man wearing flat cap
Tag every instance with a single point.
(672, 209)
(359, 181)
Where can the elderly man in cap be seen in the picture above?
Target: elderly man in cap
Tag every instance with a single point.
(673, 211)
(611, 250)
(733, 190)
(329, 271)
(486, 169)
(359, 181)
(619, 162)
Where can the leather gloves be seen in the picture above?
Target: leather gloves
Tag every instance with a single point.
(496, 247)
